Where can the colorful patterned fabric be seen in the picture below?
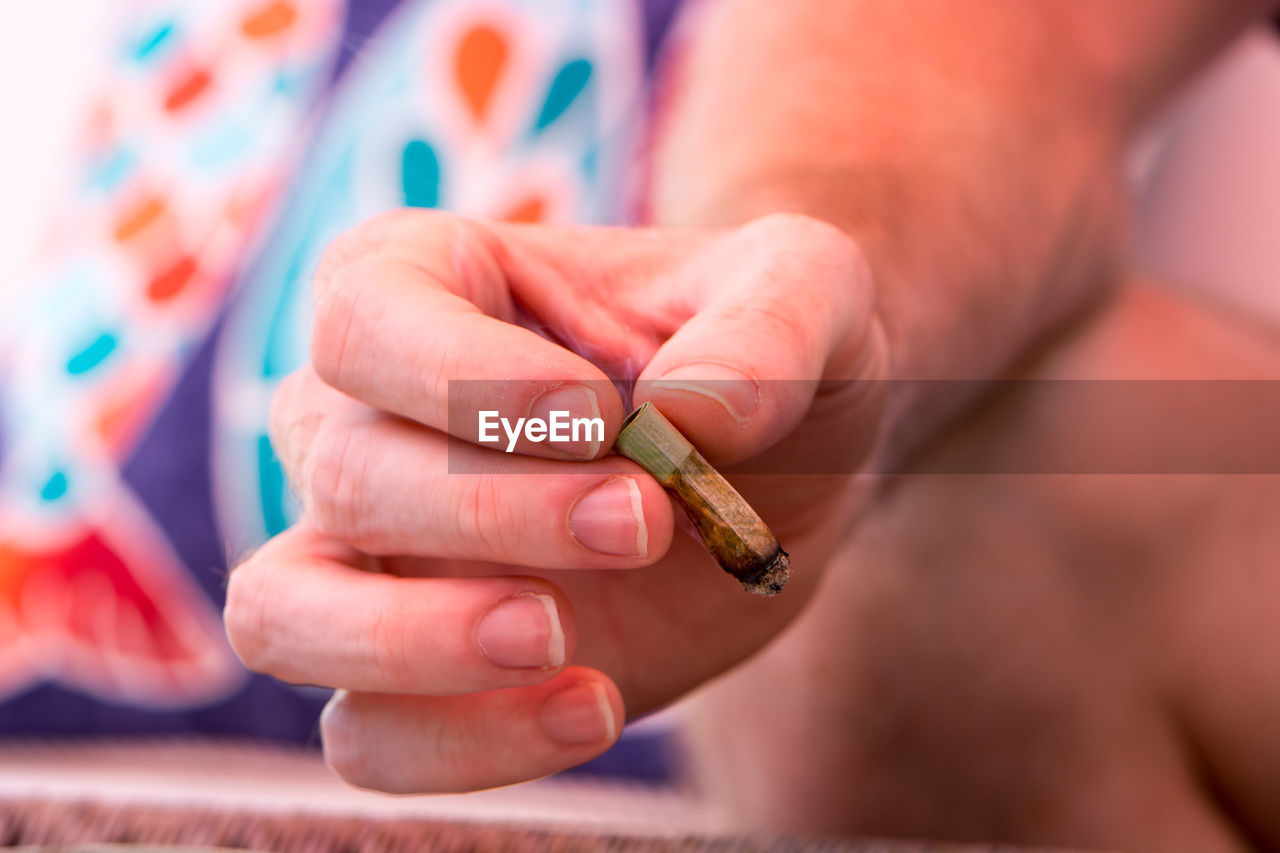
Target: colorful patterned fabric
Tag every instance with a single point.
(231, 141)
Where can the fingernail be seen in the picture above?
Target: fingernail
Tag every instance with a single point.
(523, 632)
(579, 402)
(579, 714)
(609, 519)
(738, 393)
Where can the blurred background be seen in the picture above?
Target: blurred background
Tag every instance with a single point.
(48, 52)
(1207, 190)
(1208, 171)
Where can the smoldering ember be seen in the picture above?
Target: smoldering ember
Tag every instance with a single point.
(559, 427)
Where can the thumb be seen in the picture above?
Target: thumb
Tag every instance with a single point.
(793, 305)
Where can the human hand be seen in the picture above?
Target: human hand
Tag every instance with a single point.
(486, 617)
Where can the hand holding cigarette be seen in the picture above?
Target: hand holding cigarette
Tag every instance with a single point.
(490, 617)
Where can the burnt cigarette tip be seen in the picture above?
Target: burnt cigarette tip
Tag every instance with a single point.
(770, 580)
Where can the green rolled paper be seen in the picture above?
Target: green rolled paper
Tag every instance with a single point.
(732, 531)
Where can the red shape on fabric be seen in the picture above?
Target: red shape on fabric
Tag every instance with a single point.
(188, 89)
(83, 614)
(62, 605)
(91, 560)
(170, 283)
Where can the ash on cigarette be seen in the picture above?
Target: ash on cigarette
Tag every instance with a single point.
(770, 580)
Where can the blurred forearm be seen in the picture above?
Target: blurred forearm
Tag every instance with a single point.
(972, 147)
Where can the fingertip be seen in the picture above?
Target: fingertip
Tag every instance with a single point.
(533, 629)
(659, 517)
(588, 400)
(586, 710)
(414, 744)
(571, 417)
(627, 515)
(718, 415)
(341, 750)
(733, 392)
(727, 413)
(293, 419)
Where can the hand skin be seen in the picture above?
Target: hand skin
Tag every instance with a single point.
(911, 282)
(1074, 660)
(411, 300)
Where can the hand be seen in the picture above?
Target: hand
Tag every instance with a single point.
(486, 617)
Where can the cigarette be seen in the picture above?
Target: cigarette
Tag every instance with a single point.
(732, 531)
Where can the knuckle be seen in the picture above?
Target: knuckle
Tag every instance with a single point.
(334, 486)
(367, 238)
(802, 229)
(335, 345)
(481, 519)
(809, 241)
(370, 238)
(345, 290)
(814, 270)
(285, 404)
(292, 424)
(788, 329)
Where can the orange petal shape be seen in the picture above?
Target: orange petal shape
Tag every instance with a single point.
(126, 409)
(172, 281)
(188, 89)
(136, 219)
(532, 209)
(269, 20)
(481, 58)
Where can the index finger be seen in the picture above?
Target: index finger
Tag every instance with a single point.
(408, 304)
